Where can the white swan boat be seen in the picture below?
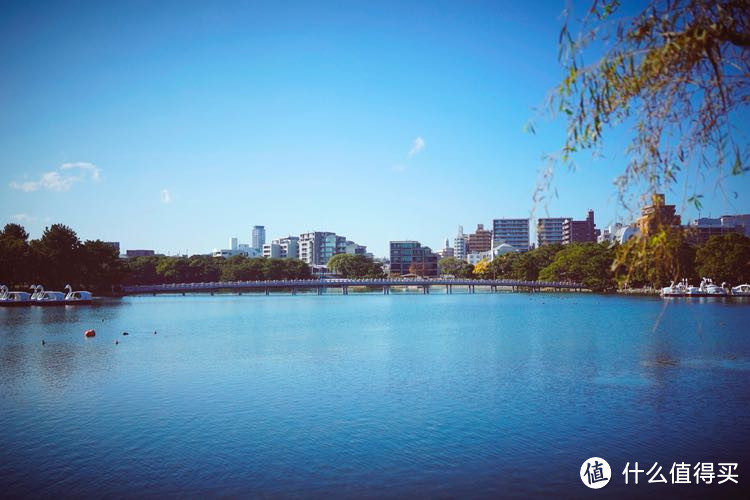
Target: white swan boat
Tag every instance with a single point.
(80, 297)
(741, 290)
(709, 289)
(675, 290)
(9, 299)
(43, 298)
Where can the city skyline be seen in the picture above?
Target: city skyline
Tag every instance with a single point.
(175, 135)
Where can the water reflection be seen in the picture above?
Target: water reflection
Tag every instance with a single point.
(400, 395)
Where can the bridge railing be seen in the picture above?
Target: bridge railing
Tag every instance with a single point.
(342, 282)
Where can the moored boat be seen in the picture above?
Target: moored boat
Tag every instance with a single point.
(43, 298)
(741, 290)
(79, 297)
(10, 299)
(709, 289)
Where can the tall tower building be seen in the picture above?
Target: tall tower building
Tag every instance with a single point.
(460, 243)
(259, 237)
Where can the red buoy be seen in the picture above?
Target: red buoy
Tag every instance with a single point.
(90, 333)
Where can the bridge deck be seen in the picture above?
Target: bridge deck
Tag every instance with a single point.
(340, 283)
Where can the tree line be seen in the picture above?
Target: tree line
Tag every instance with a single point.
(59, 257)
(606, 266)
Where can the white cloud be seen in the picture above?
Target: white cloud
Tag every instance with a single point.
(61, 179)
(23, 217)
(398, 168)
(166, 196)
(416, 146)
(92, 169)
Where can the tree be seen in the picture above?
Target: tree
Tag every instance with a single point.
(482, 269)
(419, 269)
(656, 259)
(355, 266)
(678, 71)
(455, 267)
(101, 266)
(725, 258)
(15, 258)
(587, 263)
(58, 256)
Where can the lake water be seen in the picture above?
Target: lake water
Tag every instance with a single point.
(370, 395)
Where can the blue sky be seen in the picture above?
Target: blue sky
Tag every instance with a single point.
(175, 126)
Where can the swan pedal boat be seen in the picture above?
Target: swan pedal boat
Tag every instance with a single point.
(40, 297)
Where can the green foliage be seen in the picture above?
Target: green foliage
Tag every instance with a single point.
(587, 263)
(725, 259)
(657, 260)
(57, 259)
(677, 71)
(482, 269)
(200, 268)
(455, 267)
(15, 258)
(355, 266)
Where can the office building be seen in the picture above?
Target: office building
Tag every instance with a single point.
(236, 248)
(282, 248)
(514, 232)
(410, 257)
(480, 240)
(316, 247)
(460, 244)
(139, 253)
(258, 237)
(700, 230)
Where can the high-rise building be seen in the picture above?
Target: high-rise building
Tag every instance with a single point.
(316, 247)
(282, 248)
(410, 257)
(234, 244)
(514, 232)
(259, 237)
(579, 231)
(657, 214)
(480, 240)
(549, 230)
(700, 230)
(460, 243)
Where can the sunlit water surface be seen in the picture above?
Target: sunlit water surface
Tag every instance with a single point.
(369, 395)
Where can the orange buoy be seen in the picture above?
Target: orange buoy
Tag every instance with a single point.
(90, 333)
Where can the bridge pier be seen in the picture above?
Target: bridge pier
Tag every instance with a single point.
(294, 291)
(320, 291)
(345, 290)
(386, 290)
(266, 290)
(212, 293)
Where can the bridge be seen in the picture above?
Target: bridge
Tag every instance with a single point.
(320, 285)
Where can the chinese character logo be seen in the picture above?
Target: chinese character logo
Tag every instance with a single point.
(595, 473)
